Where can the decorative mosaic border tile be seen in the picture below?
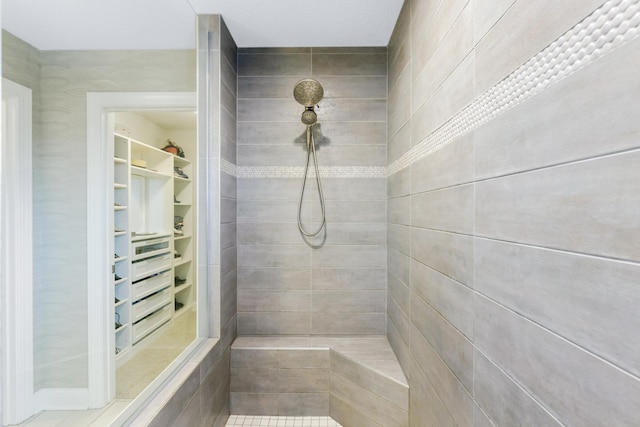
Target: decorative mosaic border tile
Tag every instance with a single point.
(298, 171)
(609, 26)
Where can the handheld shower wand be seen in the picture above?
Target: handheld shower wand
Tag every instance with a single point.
(309, 92)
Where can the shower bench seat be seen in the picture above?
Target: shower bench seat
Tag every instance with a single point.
(356, 380)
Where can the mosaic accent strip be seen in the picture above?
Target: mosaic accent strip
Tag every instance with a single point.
(228, 167)
(298, 172)
(609, 26)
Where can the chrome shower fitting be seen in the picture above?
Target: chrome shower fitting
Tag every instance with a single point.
(308, 93)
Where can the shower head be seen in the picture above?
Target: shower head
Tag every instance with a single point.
(309, 117)
(308, 92)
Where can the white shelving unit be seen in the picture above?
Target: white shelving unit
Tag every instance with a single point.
(121, 276)
(152, 285)
(184, 241)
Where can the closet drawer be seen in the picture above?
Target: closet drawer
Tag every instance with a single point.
(152, 284)
(150, 304)
(143, 249)
(151, 323)
(149, 266)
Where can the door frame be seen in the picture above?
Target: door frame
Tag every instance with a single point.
(17, 253)
(100, 152)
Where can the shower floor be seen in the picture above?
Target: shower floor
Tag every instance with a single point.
(270, 421)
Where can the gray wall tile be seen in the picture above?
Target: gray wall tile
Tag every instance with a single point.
(594, 392)
(251, 358)
(299, 404)
(348, 278)
(359, 301)
(273, 256)
(274, 64)
(350, 64)
(396, 393)
(350, 256)
(273, 278)
(377, 408)
(426, 408)
(505, 401)
(316, 358)
(584, 299)
(253, 300)
(531, 27)
(254, 380)
(306, 380)
(348, 323)
(571, 133)
(347, 415)
(399, 265)
(455, 350)
(551, 206)
(450, 209)
(254, 403)
(451, 165)
(455, 398)
(450, 254)
(274, 323)
(451, 299)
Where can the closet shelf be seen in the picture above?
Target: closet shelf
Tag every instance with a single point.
(119, 259)
(122, 280)
(122, 328)
(119, 208)
(119, 233)
(181, 161)
(180, 179)
(121, 302)
(182, 204)
(148, 173)
(118, 186)
(183, 262)
(186, 236)
(180, 288)
(119, 160)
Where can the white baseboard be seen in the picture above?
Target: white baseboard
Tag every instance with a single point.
(61, 399)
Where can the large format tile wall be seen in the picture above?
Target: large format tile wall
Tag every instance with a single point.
(514, 211)
(60, 81)
(334, 284)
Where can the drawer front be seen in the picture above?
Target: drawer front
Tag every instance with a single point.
(142, 269)
(151, 323)
(146, 248)
(151, 285)
(150, 304)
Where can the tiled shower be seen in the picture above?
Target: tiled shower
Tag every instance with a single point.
(333, 283)
(482, 205)
(482, 194)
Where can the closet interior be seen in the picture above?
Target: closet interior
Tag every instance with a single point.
(154, 239)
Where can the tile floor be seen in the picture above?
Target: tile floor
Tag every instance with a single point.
(154, 356)
(131, 378)
(269, 421)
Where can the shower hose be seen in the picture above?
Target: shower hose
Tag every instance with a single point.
(311, 149)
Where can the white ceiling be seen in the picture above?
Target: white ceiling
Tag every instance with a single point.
(170, 24)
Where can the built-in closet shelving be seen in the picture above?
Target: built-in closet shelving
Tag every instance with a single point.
(153, 272)
(183, 238)
(121, 246)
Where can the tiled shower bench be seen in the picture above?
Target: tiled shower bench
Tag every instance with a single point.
(355, 380)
